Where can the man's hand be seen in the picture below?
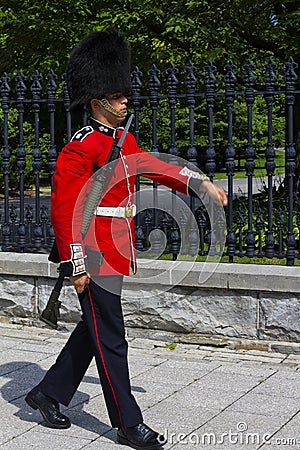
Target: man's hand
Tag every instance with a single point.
(80, 282)
(214, 191)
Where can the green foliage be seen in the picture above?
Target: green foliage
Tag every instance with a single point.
(260, 213)
(170, 346)
(41, 36)
(220, 128)
(28, 142)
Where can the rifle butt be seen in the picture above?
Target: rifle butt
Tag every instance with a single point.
(51, 314)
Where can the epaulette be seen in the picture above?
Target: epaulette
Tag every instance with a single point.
(80, 135)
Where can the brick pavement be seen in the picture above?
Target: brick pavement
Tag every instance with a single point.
(201, 397)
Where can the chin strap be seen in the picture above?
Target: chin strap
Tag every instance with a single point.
(107, 106)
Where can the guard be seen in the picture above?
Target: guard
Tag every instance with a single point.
(98, 79)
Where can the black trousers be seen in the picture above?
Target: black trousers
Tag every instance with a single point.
(99, 334)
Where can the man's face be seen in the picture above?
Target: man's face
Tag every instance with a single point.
(118, 101)
(111, 110)
(115, 108)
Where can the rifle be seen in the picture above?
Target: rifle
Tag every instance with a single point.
(51, 314)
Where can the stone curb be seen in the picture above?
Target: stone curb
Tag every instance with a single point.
(246, 302)
(249, 277)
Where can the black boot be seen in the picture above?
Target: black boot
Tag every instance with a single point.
(48, 407)
(140, 437)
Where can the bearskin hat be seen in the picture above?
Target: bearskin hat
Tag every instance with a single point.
(98, 65)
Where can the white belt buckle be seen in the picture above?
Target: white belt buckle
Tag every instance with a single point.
(130, 211)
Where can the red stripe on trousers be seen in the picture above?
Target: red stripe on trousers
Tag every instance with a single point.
(102, 357)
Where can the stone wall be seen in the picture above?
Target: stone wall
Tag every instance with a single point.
(230, 300)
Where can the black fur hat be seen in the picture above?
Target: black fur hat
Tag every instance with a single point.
(98, 65)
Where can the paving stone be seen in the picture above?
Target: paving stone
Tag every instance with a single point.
(169, 415)
(6, 343)
(292, 358)
(179, 391)
(11, 355)
(106, 442)
(289, 435)
(266, 405)
(138, 365)
(173, 371)
(243, 356)
(279, 386)
(232, 382)
(257, 370)
(11, 422)
(38, 440)
(152, 392)
(42, 347)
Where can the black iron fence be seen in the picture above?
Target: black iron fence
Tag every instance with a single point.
(236, 124)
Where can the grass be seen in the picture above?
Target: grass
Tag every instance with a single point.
(225, 259)
(260, 170)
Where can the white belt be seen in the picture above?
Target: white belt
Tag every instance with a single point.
(121, 212)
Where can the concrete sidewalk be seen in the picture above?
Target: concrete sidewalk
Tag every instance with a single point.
(200, 397)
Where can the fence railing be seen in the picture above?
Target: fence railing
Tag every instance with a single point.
(238, 125)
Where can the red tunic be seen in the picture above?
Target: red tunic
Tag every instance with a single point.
(114, 237)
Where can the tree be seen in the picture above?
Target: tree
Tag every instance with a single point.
(35, 36)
